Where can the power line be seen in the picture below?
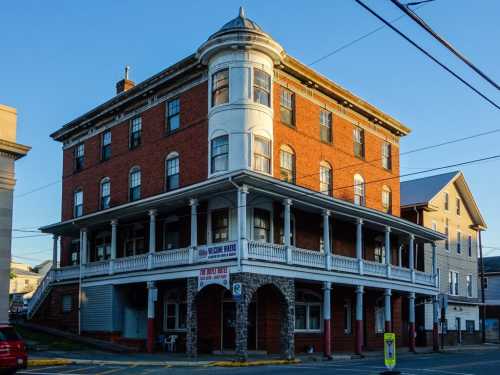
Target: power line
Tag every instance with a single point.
(404, 36)
(406, 9)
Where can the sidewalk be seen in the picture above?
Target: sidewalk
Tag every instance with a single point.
(95, 357)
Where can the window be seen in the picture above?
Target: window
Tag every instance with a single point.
(387, 199)
(485, 282)
(135, 240)
(347, 317)
(469, 245)
(173, 115)
(261, 225)
(307, 312)
(287, 107)
(135, 184)
(219, 153)
(135, 132)
(175, 311)
(67, 303)
(220, 87)
(105, 193)
(447, 233)
(106, 145)
(379, 252)
(468, 284)
(325, 122)
(287, 164)
(325, 178)
(458, 206)
(172, 171)
(102, 246)
(359, 142)
(79, 154)
(379, 319)
(359, 190)
(262, 154)
(459, 242)
(453, 283)
(220, 225)
(386, 155)
(171, 233)
(74, 257)
(78, 203)
(261, 87)
(469, 326)
(446, 201)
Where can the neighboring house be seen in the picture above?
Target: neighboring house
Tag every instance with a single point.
(43, 267)
(10, 151)
(444, 203)
(212, 203)
(491, 297)
(25, 280)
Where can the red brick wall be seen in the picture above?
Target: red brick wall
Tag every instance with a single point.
(304, 139)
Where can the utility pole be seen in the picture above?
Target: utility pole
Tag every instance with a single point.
(483, 306)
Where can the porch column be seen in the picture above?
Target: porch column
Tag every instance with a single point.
(287, 203)
(387, 310)
(435, 321)
(55, 239)
(434, 265)
(152, 236)
(359, 319)
(192, 317)
(326, 239)
(387, 245)
(400, 255)
(359, 244)
(114, 228)
(327, 306)
(152, 297)
(411, 257)
(411, 321)
(83, 246)
(242, 221)
(193, 203)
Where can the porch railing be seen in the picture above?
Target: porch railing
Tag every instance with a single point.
(267, 251)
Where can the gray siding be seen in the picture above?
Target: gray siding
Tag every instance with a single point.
(492, 292)
(97, 308)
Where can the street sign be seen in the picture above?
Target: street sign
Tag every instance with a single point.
(390, 350)
(237, 288)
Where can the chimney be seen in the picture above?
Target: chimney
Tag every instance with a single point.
(124, 84)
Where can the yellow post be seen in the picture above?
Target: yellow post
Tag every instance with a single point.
(390, 350)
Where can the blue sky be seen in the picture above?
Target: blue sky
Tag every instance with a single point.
(58, 59)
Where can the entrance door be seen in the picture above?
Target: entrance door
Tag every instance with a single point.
(228, 325)
(252, 326)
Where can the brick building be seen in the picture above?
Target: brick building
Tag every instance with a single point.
(237, 201)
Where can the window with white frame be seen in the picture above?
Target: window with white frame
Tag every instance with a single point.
(359, 142)
(78, 203)
(468, 284)
(453, 283)
(347, 317)
(386, 155)
(175, 311)
(173, 115)
(262, 154)
(79, 155)
(219, 154)
(287, 107)
(469, 245)
(325, 178)
(387, 199)
(261, 225)
(220, 225)
(67, 303)
(287, 164)
(446, 201)
(307, 312)
(261, 87)
(447, 233)
(220, 87)
(172, 179)
(379, 251)
(102, 245)
(379, 319)
(325, 125)
(458, 204)
(135, 132)
(106, 145)
(359, 190)
(135, 184)
(134, 240)
(459, 242)
(74, 256)
(105, 193)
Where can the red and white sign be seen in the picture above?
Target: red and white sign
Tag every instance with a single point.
(213, 275)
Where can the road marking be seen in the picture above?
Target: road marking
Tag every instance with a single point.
(42, 368)
(112, 370)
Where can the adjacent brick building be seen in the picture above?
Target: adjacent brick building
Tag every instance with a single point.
(237, 201)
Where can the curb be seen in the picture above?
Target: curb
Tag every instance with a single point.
(50, 362)
(254, 363)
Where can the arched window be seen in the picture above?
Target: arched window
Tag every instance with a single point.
(325, 178)
(135, 184)
(105, 193)
(172, 171)
(287, 164)
(387, 199)
(359, 190)
(262, 154)
(78, 202)
(220, 153)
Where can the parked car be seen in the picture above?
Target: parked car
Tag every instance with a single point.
(13, 354)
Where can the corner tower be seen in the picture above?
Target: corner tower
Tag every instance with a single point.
(240, 59)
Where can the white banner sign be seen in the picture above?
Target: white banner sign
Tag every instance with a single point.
(217, 251)
(213, 275)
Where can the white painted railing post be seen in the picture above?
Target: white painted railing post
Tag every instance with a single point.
(152, 236)
(242, 218)
(411, 257)
(326, 240)
(194, 229)
(388, 250)
(359, 244)
(287, 203)
(114, 227)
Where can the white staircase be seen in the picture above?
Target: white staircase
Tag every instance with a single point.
(41, 292)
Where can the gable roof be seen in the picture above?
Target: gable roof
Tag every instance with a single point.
(491, 264)
(421, 191)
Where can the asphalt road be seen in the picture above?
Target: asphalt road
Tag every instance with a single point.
(460, 363)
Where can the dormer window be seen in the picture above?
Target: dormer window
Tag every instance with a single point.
(220, 87)
(261, 87)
